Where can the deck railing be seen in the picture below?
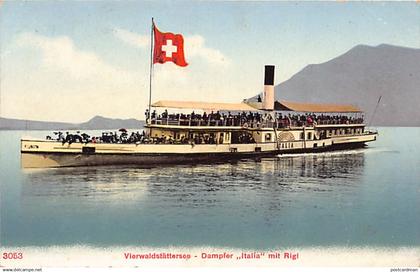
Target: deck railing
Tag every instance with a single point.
(229, 122)
(243, 123)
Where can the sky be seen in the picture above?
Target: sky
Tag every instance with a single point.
(72, 60)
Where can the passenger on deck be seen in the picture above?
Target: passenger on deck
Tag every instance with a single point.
(68, 139)
(85, 137)
(60, 136)
(146, 114)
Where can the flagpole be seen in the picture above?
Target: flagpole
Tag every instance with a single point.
(151, 72)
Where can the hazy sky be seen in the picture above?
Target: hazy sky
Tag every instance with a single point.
(70, 61)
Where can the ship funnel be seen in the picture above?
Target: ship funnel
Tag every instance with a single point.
(268, 101)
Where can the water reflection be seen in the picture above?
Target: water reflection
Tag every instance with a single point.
(313, 200)
(96, 184)
(228, 202)
(196, 185)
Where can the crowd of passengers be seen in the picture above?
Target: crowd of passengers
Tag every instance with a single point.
(106, 137)
(141, 138)
(253, 118)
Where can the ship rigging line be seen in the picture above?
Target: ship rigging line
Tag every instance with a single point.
(374, 112)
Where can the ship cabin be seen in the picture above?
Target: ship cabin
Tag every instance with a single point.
(246, 122)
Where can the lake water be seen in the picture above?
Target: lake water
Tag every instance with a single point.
(367, 197)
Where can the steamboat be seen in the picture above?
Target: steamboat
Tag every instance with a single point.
(212, 132)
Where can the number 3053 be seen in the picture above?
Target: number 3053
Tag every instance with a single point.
(12, 255)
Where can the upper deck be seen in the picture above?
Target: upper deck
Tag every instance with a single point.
(250, 115)
(218, 121)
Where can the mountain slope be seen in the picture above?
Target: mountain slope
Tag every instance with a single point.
(18, 124)
(97, 122)
(359, 77)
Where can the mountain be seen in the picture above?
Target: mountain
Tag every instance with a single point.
(97, 122)
(17, 124)
(360, 77)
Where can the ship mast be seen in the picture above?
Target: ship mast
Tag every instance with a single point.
(150, 73)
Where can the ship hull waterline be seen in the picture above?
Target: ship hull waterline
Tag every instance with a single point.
(51, 159)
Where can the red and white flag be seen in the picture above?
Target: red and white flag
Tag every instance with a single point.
(168, 47)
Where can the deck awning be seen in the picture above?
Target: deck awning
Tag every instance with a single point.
(203, 105)
(310, 107)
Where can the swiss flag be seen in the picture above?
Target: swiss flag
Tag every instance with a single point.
(168, 47)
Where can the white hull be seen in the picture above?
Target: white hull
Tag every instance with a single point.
(45, 154)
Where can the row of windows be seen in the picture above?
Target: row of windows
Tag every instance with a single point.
(192, 135)
(286, 145)
(309, 135)
(343, 131)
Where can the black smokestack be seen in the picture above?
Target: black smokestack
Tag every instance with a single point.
(269, 75)
(268, 102)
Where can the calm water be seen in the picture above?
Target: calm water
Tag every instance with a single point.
(366, 197)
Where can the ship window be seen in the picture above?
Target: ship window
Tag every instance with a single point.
(268, 137)
(221, 137)
(88, 150)
(292, 145)
(302, 136)
(309, 135)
